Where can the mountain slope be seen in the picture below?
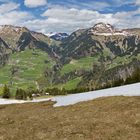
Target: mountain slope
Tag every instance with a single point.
(25, 57)
(91, 58)
(4, 52)
(102, 50)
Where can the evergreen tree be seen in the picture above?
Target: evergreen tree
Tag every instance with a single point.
(6, 92)
(21, 94)
(24, 95)
(18, 94)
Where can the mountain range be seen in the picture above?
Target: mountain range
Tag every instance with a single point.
(90, 58)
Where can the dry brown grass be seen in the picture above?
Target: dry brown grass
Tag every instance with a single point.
(112, 118)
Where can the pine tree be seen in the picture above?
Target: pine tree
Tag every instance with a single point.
(6, 92)
(18, 95)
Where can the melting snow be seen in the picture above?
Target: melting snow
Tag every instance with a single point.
(129, 90)
(6, 101)
(111, 34)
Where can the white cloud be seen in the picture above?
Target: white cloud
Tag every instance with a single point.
(137, 2)
(128, 19)
(60, 19)
(35, 3)
(10, 14)
(7, 7)
(14, 18)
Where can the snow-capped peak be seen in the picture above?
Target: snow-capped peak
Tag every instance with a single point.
(103, 26)
(58, 36)
(50, 34)
(107, 30)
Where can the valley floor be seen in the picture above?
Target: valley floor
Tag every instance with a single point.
(108, 118)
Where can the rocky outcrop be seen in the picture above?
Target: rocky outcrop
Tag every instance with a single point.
(20, 38)
(4, 52)
(107, 30)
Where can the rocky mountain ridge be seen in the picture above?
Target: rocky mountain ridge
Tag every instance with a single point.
(86, 58)
(107, 30)
(110, 47)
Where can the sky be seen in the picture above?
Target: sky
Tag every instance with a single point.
(69, 15)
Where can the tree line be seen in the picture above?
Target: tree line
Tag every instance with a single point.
(28, 94)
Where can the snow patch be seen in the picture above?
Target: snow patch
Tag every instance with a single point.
(50, 34)
(128, 90)
(8, 101)
(107, 30)
(112, 34)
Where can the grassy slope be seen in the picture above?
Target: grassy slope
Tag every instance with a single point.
(111, 118)
(30, 68)
(72, 84)
(85, 63)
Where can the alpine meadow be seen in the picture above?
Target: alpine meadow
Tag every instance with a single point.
(70, 70)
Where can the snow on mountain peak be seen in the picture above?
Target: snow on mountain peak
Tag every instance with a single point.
(59, 36)
(50, 34)
(106, 30)
(103, 28)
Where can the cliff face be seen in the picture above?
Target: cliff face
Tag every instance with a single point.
(4, 52)
(101, 78)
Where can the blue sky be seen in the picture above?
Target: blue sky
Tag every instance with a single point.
(69, 15)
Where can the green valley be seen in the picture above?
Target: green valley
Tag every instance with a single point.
(25, 68)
